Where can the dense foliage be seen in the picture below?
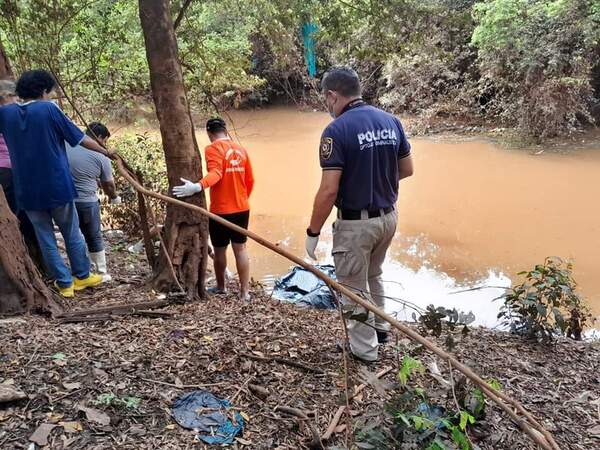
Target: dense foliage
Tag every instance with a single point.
(526, 63)
(145, 156)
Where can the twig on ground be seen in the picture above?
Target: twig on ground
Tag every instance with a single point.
(284, 361)
(241, 388)
(181, 386)
(316, 439)
(121, 308)
(345, 361)
(338, 414)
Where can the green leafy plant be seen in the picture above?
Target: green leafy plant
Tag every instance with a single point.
(408, 367)
(420, 423)
(546, 304)
(145, 155)
(435, 320)
(110, 399)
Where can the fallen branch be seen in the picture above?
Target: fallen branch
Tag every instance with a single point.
(105, 317)
(77, 319)
(345, 348)
(358, 389)
(316, 439)
(340, 412)
(284, 361)
(118, 309)
(333, 424)
(177, 386)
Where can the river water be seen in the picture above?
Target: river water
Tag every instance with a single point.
(473, 215)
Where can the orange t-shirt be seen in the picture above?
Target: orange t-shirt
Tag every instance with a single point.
(229, 177)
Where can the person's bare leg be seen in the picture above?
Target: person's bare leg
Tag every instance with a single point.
(242, 263)
(220, 264)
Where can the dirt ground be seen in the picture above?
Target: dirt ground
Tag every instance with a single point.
(128, 371)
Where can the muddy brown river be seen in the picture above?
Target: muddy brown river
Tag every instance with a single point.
(473, 215)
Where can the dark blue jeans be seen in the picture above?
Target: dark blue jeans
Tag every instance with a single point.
(89, 223)
(65, 217)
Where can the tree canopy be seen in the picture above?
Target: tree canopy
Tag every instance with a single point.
(526, 63)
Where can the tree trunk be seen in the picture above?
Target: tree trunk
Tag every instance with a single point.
(185, 232)
(5, 69)
(22, 289)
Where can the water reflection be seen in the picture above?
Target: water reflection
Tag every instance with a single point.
(407, 287)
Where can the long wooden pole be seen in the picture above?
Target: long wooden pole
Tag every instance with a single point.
(529, 425)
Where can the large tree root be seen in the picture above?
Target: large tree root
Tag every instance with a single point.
(22, 289)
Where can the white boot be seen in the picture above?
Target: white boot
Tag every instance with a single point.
(98, 260)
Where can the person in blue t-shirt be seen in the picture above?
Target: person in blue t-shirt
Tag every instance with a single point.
(364, 154)
(35, 132)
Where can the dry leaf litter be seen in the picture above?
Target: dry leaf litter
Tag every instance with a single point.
(110, 384)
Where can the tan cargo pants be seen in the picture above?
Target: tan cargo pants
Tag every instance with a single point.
(359, 249)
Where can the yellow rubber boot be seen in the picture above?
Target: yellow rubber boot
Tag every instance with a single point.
(91, 281)
(66, 292)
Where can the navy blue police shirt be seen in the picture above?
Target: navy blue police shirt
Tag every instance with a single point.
(366, 143)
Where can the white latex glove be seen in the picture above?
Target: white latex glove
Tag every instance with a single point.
(116, 201)
(187, 188)
(311, 246)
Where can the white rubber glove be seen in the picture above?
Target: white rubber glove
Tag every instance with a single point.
(311, 246)
(116, 201)
(187, 188)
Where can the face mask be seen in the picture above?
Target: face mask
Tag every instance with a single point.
(331, 110)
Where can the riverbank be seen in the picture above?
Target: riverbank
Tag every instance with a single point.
(222, 345)
(507, 137)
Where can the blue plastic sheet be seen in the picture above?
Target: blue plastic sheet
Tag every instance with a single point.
(203, 412)
(303, 288)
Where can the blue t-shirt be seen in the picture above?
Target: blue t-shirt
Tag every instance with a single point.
(35, 135)
(366, 143)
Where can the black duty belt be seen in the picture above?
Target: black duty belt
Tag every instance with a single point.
(357, 214)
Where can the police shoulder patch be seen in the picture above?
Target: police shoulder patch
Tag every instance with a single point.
(326, 147)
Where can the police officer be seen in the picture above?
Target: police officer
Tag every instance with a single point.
(364, 153)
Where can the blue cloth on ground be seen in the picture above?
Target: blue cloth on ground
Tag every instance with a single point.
(203, 412)
(303, 288)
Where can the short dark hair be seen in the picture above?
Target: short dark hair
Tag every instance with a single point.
(97, 129)
(33, 84)
(215, 125)
(343, 80)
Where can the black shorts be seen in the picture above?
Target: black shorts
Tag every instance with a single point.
(221, 236)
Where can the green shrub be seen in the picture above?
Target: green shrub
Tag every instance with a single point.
(536, 59)
(144, 154)
(545, 304)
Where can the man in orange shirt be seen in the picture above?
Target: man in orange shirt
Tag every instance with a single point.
(230, 180)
